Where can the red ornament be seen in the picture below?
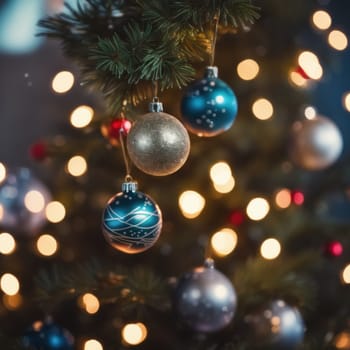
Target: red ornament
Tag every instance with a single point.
(298, 197)
(114, 128)
(38, 151)
(333, 249)
(237, 218)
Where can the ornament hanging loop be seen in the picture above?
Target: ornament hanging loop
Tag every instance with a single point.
(214, 37)
(128, 177)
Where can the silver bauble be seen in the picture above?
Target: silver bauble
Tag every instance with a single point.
(158, 144)
(23, 199)
(276, 326)
(315, 143)
(204, 299)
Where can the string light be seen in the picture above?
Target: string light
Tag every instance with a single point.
(93, 344)
(55, 212)
(90, 303)
(224, 241)
(46, 245)
(262, 109)
(257, 208)
(298, 197)
(9, 284)
(62, 82)
(310, 64)
(310, 112)
(7, 243)
(2, 172)
(34, 201)
(346, 101)
(321, 20)
(81, 116)
(226, 187)
(337, 40)
(283, 198)
(191, 204)
(77, 166)
(248, 69)
(220, 173)
(134, 333)
(346, 274)
(270, 249)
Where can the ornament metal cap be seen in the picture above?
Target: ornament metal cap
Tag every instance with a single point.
(129, 186)
(209, 263)
(211, 72)
(155, 105)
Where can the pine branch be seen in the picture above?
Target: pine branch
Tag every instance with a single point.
(122, 47)
(135, 287)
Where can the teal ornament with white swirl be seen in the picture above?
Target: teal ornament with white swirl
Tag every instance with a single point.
(131, 221)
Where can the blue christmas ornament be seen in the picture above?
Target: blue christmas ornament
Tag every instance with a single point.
(132, 221)
(47, 336)
(209, 106)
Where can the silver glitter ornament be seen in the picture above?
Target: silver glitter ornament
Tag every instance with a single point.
(158, 144)
(315, 143)
(276, 326)
(204, 299)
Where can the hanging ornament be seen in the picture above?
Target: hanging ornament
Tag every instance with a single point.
(23, 199)
(315, 143)
(113, 129)
(276, 326)
(209, 106)
(158, 144)
(47, 336)
(204, 299)
(131, 221)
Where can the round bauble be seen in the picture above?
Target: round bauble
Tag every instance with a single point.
(47, 336)
(158, 144)
(315, 143)
(204, 299)
(276, 326)
(114, 129)
(209, 106)
(23, 199)
(131, 221)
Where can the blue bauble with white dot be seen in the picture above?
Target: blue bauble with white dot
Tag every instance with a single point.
(131, 221)
(47, 336)
(209, 106)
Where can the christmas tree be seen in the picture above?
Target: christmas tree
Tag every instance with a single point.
(198, 197)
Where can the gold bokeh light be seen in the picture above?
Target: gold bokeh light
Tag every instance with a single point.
(257, 208)
(81, 116)
(47, 245)
(338, 40)
(55, 212)
(191, 204)
(248, 69)
(7, 243)
(134, 333)
(262, 109)
(9, 284)
(62, 82)
(224, 241)
(77, 166)
(270, 249)
(321, 20)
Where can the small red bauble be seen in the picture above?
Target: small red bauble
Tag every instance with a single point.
(298, 197)
(38, 151)
(114, 128)
(237, 218)
(333, 249)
